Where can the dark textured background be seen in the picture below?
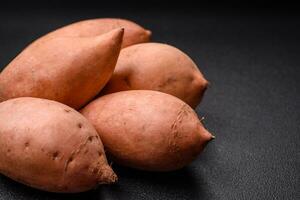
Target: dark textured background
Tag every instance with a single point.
(251, 56)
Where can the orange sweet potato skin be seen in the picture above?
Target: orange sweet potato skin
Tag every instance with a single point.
(160, 67)
(65, 69)
(133, 34)
(147, 130)
(49, 146)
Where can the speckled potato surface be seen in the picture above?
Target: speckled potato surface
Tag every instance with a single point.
(50, 146)
(65, 69)
(160, 67)
(147, 130)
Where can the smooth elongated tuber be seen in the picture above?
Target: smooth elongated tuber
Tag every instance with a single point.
(50, 146)
(65, 69)
(147, 130)
(160, 67)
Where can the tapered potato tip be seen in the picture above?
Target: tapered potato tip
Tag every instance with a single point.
(106, 176)
(148, 33)
(115, 36)
(202, 83)
(208, 84)
(205, 134)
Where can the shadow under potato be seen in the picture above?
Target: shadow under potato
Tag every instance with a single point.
(15, 190)
(136, 184)
(133, 184)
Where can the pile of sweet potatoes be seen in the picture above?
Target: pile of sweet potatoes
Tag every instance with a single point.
(95, 88)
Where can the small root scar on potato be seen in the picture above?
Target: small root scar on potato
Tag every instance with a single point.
(86, 151)
(68, 161)
(90, 138)
(67, 110)
(26, 145)
(79, 125)
(55, 155)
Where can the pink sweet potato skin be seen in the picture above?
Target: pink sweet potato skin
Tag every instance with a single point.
(147, 130)
(133, 34)
(160, 67)
(65, 69)
(47, 145)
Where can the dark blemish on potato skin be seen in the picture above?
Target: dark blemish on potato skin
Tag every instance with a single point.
(26, 144)
(8, 150)
(79, 125)
(100, 153)
(67, 110)
(90, 138)
(68, 161)
(55, 155)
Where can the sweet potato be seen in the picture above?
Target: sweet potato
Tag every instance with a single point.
(147, 130)
(65, 69)
(154, 66)
(50, 146)
(133, 34)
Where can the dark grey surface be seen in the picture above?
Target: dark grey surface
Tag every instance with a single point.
(252, 106)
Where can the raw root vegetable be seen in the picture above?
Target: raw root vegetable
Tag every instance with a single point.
(160, 67)
(65, 69)
(47, 145)
(147, 130)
